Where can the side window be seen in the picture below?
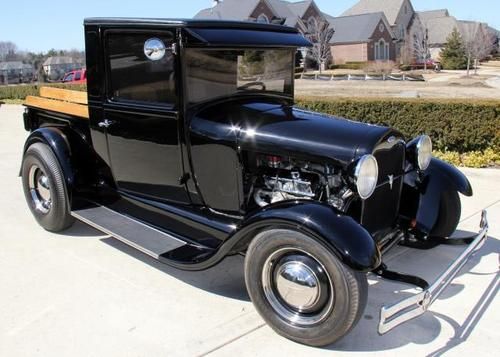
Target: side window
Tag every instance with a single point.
(68, 78)
(78, 76)
(135, 77)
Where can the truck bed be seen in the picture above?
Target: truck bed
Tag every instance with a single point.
(61, 101)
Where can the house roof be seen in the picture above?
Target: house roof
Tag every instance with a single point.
(229, 10)
(425, 16)
(356, 28)
(55, 60)
(284, 11)
(469, 29)
(241, 10)
(440, 28)
(299, 8)
(390, 8)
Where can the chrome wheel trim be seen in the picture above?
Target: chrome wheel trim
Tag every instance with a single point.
(304, 305)
(298, 285)
(39, 188)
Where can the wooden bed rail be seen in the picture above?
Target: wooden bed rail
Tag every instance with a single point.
(60, 100)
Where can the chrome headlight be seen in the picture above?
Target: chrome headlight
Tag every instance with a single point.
(424, 152)
(366, 175)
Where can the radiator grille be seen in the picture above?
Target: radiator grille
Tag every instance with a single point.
(380, 211)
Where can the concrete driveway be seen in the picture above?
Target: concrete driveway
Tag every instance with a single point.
(82, 293)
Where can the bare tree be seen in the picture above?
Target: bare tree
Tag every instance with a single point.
(478, 41)
(319, 32)
(7, 50)
(416, 44)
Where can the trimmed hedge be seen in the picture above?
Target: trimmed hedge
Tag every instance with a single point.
(22, 91)
(454, 125)
(349, 65)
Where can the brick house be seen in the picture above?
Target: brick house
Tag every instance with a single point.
(294, 14)
(400, 15)
(362, 38)
(439, 24)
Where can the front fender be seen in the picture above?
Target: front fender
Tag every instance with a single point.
(439, 177)
(341, 234)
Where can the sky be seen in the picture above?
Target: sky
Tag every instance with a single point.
(39, 26)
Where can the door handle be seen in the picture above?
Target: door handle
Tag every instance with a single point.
(106, 123)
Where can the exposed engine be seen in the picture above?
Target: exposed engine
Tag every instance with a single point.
(281, 179)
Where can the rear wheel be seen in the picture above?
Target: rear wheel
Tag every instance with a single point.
(450, 210)
(44, 188)
(301, 289)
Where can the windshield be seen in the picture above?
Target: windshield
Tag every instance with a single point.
(214, 74)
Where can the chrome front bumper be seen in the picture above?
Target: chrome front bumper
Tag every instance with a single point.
(407, 309)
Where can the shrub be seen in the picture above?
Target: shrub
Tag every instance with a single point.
(380, 67)
(22, 91)
(478, 159)
(461, 126)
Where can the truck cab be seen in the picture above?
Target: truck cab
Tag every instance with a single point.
(188, 147)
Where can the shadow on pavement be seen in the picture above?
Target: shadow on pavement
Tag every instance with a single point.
(463, 331)
(425, 328)
(80, 229)
(227, 279)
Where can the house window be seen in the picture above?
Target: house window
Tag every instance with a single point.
(311, 22)
(263, 19)
(382, 51)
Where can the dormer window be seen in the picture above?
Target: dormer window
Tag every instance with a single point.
(263, 19)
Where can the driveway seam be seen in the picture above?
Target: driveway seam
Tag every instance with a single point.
(231, 341)
(479, 211)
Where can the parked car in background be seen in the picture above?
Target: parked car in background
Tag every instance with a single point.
(77, 76)
(429, 64)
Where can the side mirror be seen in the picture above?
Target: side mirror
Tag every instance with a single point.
(154, 49)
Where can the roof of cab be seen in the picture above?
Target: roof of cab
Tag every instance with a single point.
(214, 32)
(189, 23)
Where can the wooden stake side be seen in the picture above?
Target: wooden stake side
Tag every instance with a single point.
(66, 95)
(75, 109)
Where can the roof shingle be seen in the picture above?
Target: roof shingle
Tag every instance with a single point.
(390, 8)
(356, 28)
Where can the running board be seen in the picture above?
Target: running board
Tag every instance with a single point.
(147, 239)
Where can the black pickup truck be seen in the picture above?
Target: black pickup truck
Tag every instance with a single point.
(188, 147)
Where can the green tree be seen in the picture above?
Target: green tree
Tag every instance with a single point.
(453, 55)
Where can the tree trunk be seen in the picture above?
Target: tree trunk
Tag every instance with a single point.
(468, 66)
(476, 64)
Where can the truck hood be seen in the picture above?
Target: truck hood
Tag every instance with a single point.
(281, 129)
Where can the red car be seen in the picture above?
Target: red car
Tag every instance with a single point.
(77, 76)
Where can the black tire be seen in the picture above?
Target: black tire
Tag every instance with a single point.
(450, 210)
(350, 288)
(54, 214)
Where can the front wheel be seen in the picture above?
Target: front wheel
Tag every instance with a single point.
(301, 289)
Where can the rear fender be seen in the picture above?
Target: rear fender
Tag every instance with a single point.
(439, 177)
(341, 234)
(57, 140)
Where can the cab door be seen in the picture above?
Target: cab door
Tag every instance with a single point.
(140, 114)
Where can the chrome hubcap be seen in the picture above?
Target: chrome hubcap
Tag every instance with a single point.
(39, 187)
(297, 287)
